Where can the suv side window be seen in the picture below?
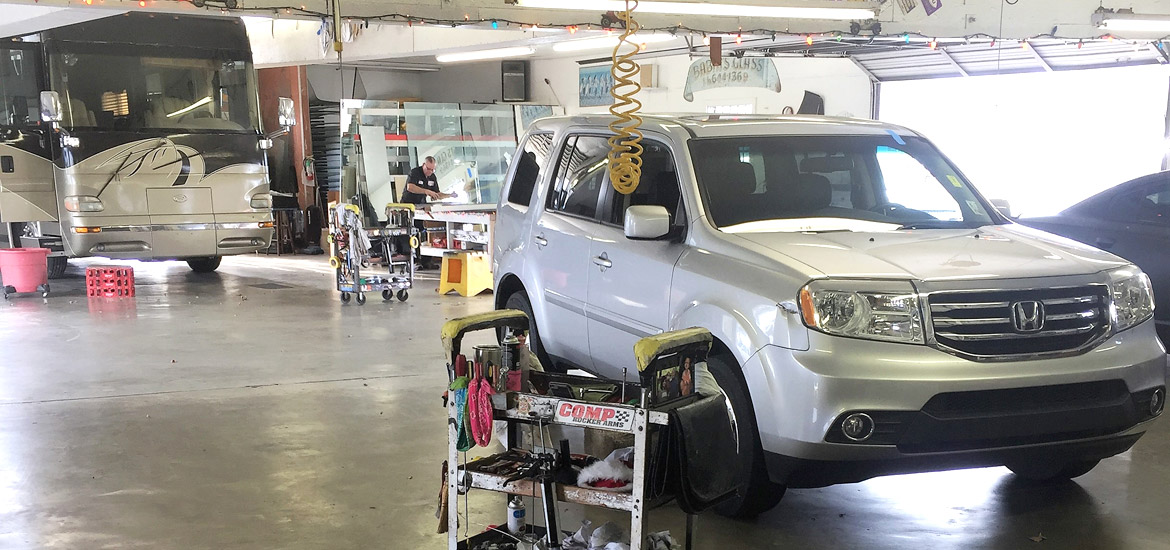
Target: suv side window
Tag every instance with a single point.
(580, 177)
(528, 163)
(658, 186)
(1149, 204)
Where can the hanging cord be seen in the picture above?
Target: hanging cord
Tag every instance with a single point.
(625, 154)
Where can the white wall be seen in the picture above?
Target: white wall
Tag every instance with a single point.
(1042, 141)
(846, 88)
(330, 84)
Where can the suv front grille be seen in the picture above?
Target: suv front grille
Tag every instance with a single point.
(986, 323)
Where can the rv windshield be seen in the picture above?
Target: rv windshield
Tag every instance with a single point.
(204, 92)
(833, 183)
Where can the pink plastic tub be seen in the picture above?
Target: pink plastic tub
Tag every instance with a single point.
(24, 268)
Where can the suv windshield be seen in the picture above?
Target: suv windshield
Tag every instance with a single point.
(202, 90)
(828, 183)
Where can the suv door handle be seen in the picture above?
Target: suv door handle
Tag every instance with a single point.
(603, 261)
(1105, 242)
(540, 240)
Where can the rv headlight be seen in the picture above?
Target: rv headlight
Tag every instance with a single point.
(886, 311)
(1132, 297)
(83, 203)
(261, 201)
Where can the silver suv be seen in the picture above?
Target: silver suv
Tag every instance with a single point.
(873, 314)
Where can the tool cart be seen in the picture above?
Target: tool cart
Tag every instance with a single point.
(651, 409)
(351, 245)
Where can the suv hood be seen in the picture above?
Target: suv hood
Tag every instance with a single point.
(994, 251)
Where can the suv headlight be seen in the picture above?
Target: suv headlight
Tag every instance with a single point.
(260, 201)
(886, 311)
(1132, 297)
(83, 203)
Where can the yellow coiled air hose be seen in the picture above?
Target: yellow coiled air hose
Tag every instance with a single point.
(625, 154)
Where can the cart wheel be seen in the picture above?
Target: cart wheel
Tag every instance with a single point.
(361, 298)
(387, 294)
(44, 290)
(8, 291)
(345, 297)
(403, 295)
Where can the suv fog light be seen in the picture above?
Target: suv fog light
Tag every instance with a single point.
(1157, 402)
(857, 426)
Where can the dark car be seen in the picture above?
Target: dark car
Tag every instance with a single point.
(1131, 220)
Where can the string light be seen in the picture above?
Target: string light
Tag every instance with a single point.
(906, 38)
(495, 24)
(934, 43)
(808, 40)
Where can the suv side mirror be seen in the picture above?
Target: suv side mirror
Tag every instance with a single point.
(50, 107)
(647, 221)
(286, 112)
(1003, 206)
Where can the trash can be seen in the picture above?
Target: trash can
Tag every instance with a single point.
(24, 269)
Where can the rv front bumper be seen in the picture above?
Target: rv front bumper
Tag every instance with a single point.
(167, 239)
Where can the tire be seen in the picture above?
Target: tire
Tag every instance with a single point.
(361, 298)
(757, 493)
(345, 297)
(205, 265)
(44, 290)
(519, 300)
(403, 295)
(1051, 472)
(387, 295)
(57, 266)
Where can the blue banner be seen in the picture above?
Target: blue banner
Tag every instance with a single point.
(594, 86)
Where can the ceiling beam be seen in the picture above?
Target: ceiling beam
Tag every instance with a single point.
(1039, 58)
(946, 55)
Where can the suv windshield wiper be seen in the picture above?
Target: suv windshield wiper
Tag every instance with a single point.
(936, 224)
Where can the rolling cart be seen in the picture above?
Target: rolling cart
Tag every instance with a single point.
(350, 246)
(640, 408)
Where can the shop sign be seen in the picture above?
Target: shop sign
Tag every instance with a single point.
(741, 72)
(594, 416)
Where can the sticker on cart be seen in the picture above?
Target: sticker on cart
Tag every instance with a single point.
(594, 416)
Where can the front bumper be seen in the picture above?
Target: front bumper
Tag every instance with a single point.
(800, 396)
(159, 238)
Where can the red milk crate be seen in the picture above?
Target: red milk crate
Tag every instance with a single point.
(109, 282)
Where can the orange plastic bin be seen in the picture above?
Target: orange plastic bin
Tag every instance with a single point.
(25, 270)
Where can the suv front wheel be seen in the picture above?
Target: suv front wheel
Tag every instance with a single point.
(519, 300)
(757, 493)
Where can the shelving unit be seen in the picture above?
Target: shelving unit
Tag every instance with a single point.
(653, 356)
(454, 218)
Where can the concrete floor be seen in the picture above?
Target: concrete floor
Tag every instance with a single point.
(250, 409)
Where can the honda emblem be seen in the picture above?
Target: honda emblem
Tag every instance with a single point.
(1028, 316)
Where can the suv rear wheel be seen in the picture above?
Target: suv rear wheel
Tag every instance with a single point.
(757, 492)
(519, 300)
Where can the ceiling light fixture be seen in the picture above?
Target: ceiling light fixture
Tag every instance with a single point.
(480, 55)
(695, 8)
(599, 42)
(1126, 20)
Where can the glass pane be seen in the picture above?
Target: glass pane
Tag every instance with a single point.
(19, 90)
(909, 184)
(658, 186)
(472, 146)
(902, 183)
(580, 176)
(534, 155)
(122, 92)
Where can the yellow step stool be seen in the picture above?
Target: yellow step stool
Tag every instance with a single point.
(467, 273)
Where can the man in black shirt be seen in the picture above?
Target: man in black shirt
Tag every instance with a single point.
(422, 183)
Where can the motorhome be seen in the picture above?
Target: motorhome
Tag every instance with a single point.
(135, 136)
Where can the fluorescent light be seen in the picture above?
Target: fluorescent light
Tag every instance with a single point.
(1132, 22)
(484, 54)
(599, 42)
(190, 107)
(695, 8)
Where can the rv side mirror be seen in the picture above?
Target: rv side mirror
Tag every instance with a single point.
(50, 107)
(286, 112)
(1003, 206)
(647, 221)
